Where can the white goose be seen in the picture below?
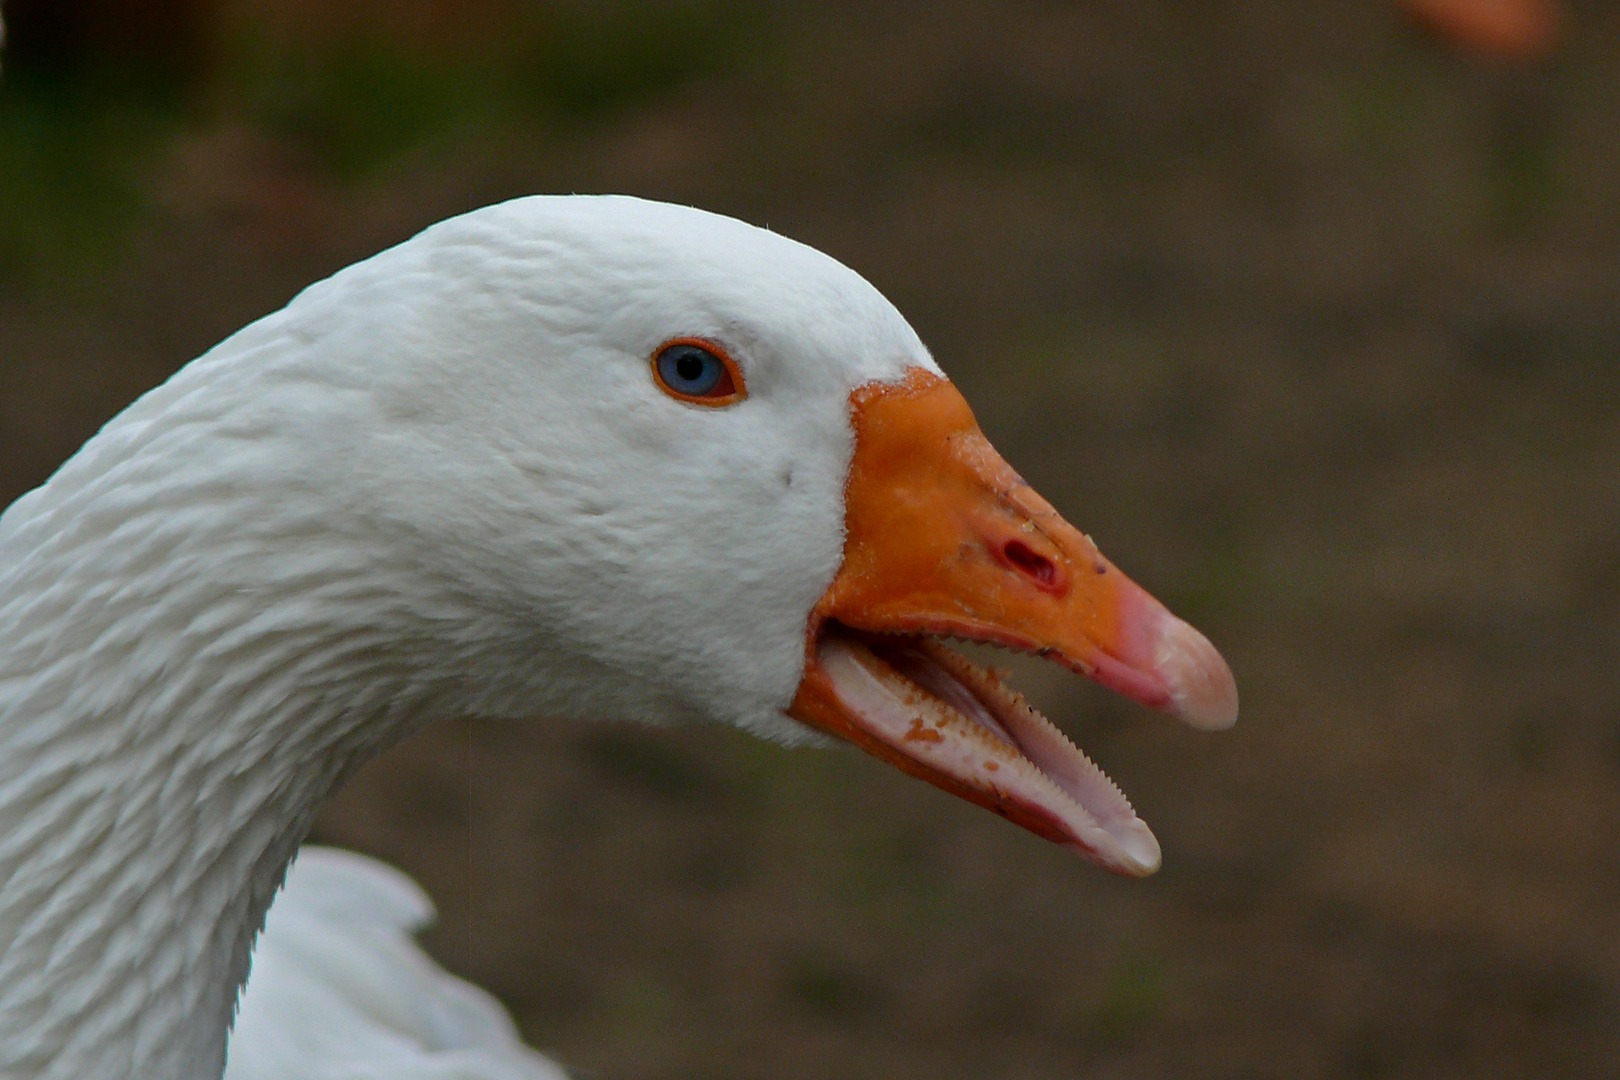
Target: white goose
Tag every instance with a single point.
(594, 456)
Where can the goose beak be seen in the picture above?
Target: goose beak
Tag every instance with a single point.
(944, 540)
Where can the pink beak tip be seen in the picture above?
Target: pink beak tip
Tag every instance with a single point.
(1203, 693)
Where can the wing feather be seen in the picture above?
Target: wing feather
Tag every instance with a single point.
(340, 989)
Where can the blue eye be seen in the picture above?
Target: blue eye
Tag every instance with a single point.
(695, 372)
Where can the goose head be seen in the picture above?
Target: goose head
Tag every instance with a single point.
(592, 456)
(620, 459)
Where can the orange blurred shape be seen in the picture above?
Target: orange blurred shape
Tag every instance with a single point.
(1504, 29)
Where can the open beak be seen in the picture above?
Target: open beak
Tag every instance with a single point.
(944, 540)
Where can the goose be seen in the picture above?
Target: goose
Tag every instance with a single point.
(587, 455)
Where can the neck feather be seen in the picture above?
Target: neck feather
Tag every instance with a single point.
(176, 700)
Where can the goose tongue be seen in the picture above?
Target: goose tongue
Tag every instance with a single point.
(943, 538)
(936, 714)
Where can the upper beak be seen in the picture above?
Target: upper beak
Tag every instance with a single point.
(944, 539)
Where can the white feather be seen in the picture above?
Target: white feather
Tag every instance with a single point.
(441, 482)
(341, 991)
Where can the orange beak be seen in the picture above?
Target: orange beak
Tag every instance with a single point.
(944, 539)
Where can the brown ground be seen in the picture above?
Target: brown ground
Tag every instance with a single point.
(1311, 321)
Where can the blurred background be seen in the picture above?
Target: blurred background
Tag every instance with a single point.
(1306, 310)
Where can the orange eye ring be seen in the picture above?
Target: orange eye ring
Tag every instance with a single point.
(699, 371)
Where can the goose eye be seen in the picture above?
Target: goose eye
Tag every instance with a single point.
(698, 371)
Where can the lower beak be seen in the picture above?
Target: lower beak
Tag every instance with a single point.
(943, 540)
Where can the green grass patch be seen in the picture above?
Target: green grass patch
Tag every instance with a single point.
(69, 177)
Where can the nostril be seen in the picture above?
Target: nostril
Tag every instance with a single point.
(1031, 563)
